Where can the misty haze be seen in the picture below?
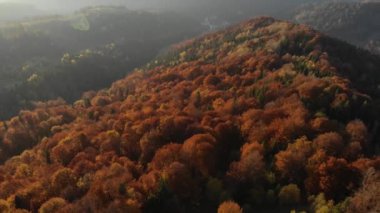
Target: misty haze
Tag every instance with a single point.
(226, 106)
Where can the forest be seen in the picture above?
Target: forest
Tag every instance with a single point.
(263, 116)
(48, 51)
(355, 22)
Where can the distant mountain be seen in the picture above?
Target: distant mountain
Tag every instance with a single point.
(268, 114)
(355, 22)
(63, 56)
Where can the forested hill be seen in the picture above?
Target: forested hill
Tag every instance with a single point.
(48, 57)
(64, 56)
(265, 114)
(356, 22)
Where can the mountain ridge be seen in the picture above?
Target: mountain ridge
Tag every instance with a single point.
(351, 21)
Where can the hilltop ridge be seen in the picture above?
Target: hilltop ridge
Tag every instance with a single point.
(353, 21)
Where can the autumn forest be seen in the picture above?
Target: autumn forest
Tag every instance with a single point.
(261, 116)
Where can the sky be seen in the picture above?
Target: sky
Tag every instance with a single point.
(194, 8)
(76, 4)
(136, 4)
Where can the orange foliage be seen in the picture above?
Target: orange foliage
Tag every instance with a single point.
(237, 114)
(229, 207)
(200, 152)
(165, 156)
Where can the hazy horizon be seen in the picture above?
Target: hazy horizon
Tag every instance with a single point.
(204, 10)
(71, 5)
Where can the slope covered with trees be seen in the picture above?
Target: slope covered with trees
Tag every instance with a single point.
(354, 21)
(265, 115)
(50, 57)
(60, 52)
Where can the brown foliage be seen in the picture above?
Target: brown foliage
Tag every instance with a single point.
(337, 178)
(290, 194)
(367, 198)
(291, 162)
(250, 167)
(358, 132)
(180, 180)
(332, 143)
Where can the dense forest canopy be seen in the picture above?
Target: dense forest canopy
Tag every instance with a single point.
(264, 115)
(189, 106)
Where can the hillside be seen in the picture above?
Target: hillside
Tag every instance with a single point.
(105, 41)
(269, 114)
(61, 52)
(355, 22)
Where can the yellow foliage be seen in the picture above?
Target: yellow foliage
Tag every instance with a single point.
(183, 55)
(290, 194)
(4, 206)
(52, 205)
(23, 170)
